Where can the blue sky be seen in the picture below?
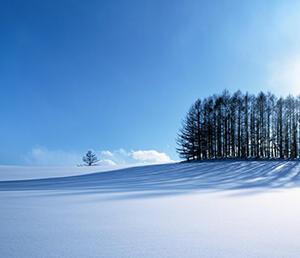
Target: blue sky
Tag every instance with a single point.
(120, 75)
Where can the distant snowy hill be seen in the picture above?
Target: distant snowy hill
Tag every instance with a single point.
(35, 172)
(205, 209)
(166, 177)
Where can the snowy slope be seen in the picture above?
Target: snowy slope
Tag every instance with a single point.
(35, 172)
(207, 209)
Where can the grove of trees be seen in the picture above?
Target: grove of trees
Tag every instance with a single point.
(241, 126)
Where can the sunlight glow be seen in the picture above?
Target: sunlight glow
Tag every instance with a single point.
(284, 77)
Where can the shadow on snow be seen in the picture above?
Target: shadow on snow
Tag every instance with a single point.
(170, 179)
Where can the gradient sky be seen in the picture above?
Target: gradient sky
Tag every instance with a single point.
(111, 75)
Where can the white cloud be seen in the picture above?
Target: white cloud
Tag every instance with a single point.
(106, 153)
(106, 162)
(41, 156)
(123, 152)
(122, 156)
(151, 156)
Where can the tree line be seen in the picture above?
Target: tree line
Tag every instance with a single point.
(241, 126)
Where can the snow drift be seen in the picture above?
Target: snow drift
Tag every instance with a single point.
(176, 177)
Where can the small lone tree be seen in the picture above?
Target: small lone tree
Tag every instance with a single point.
(90, 158)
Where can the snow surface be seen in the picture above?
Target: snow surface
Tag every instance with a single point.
(206, 209)
(35, 172)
